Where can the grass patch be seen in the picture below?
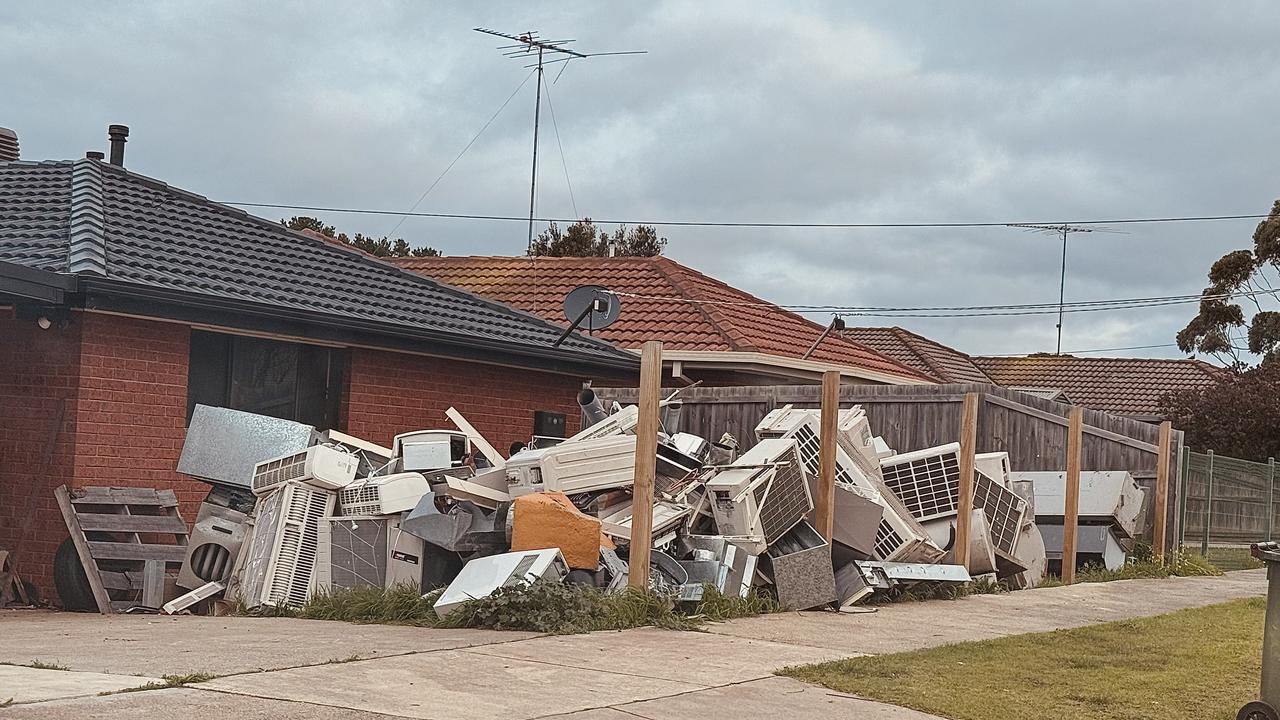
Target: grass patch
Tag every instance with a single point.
(165, 682)
(38, 665)
(1201, 663)
(539, 607)
(1233, 558)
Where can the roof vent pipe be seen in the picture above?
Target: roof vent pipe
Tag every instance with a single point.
(95, 155)
(119, 135)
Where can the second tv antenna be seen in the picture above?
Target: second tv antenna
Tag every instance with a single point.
(539, 52)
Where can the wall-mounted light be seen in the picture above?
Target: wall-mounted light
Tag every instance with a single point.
(44, 322)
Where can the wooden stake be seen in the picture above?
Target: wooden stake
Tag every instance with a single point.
(1159, 534)
(1071, 516)
(964, 503)
(824, 503)
(646, 465)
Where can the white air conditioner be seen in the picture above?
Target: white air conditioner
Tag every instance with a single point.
(383, 495)
(279, 565)
(994, 465)
(524, 469)
(367, 552)
(481, 577)
(323, 467)
(853, 434)
(926, 481)
(426, 450)
(588, 465)
(899, 535)
(215, 541)
(622, 422)
(763, 494)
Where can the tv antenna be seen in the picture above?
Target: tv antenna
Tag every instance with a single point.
(1064, 230)
(529, 47)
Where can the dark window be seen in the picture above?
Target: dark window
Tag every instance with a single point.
(269, 377)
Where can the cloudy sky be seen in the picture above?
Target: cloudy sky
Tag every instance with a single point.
(773, 112)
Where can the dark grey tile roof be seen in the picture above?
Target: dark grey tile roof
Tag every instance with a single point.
(158, 236)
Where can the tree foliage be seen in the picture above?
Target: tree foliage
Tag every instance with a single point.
(1240, 281)
(1238, 417)
(584, 239)
(381, 247)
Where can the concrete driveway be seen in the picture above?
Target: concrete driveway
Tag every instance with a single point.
(283, 668)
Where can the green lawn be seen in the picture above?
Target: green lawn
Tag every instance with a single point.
(1201, 663)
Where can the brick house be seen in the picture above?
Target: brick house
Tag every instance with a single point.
(711, 331)
(124, 302)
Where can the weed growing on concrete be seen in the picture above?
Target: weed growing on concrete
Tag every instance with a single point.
(38, 665)
(1144, 566)
(165, 682)
(539, 607)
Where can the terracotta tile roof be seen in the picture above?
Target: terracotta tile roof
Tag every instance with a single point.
(943, 363)
(661, 312)
(1124, 386)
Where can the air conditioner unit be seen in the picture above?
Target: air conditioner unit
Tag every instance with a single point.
(928, 483)
(622, 422)
(899, 535)
(323, 467)
(279, 564)
(367, 552)
(763, 494)
(481, 577)
(588, 465)
(1106, 497)
(853, 434)
(215, 541)
(383, 495)
(426, 450)
(994, 465)
(524, 469)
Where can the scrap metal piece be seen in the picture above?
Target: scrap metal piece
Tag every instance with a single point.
(495, 459)
(799, 564)
(851, 585)
(182, 602)
(918, 572)
(481, 577)
(224, 445)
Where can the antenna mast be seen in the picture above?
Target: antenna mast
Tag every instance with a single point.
(1064, 230)
(528, 46)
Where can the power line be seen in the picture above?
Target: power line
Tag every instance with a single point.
(727, 224)
(955, 311)
(1093, 350)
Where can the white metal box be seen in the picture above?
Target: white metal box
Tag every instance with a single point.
(426, 450)
(1106, 496)
(367, 552)
(280, 560)
(481, 577)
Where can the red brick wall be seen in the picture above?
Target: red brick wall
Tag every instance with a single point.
(38, 374)
(133, 406)
(390, 393)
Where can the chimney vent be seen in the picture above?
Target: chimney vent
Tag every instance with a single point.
(119, 135)
(8, 145)
(95, 155)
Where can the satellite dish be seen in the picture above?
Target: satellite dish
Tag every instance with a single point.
(589, 306)
(592, 307)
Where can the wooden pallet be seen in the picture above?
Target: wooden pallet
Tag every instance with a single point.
(114, 530)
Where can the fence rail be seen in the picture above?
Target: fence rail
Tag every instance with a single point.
(1226, 501)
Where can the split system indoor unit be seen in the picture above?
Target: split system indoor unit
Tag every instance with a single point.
(482, 576)
(622, 422)
(575, 467)
(383, 495)
(321, 466)
(763, 494)
(367, 552)
(280, 560)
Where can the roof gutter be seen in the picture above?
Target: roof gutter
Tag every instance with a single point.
(114, 295)
(734, 360)
(31, 284)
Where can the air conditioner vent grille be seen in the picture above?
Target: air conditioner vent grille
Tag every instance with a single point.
(784, 500)
(1003, 509)
(927, 486)
(280, 471)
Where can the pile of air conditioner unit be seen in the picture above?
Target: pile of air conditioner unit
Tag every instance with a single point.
(1113, 511)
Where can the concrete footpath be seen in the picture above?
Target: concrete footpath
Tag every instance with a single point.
(282, 668)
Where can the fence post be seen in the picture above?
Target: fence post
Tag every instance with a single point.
(1185, 486)
(1271, 489)
(1158, 539)
(1208, 506)
(1071, 514)
(646, 465)
(824, 503)
(964, 493)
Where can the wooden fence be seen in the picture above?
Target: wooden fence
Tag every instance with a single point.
(911, 417)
